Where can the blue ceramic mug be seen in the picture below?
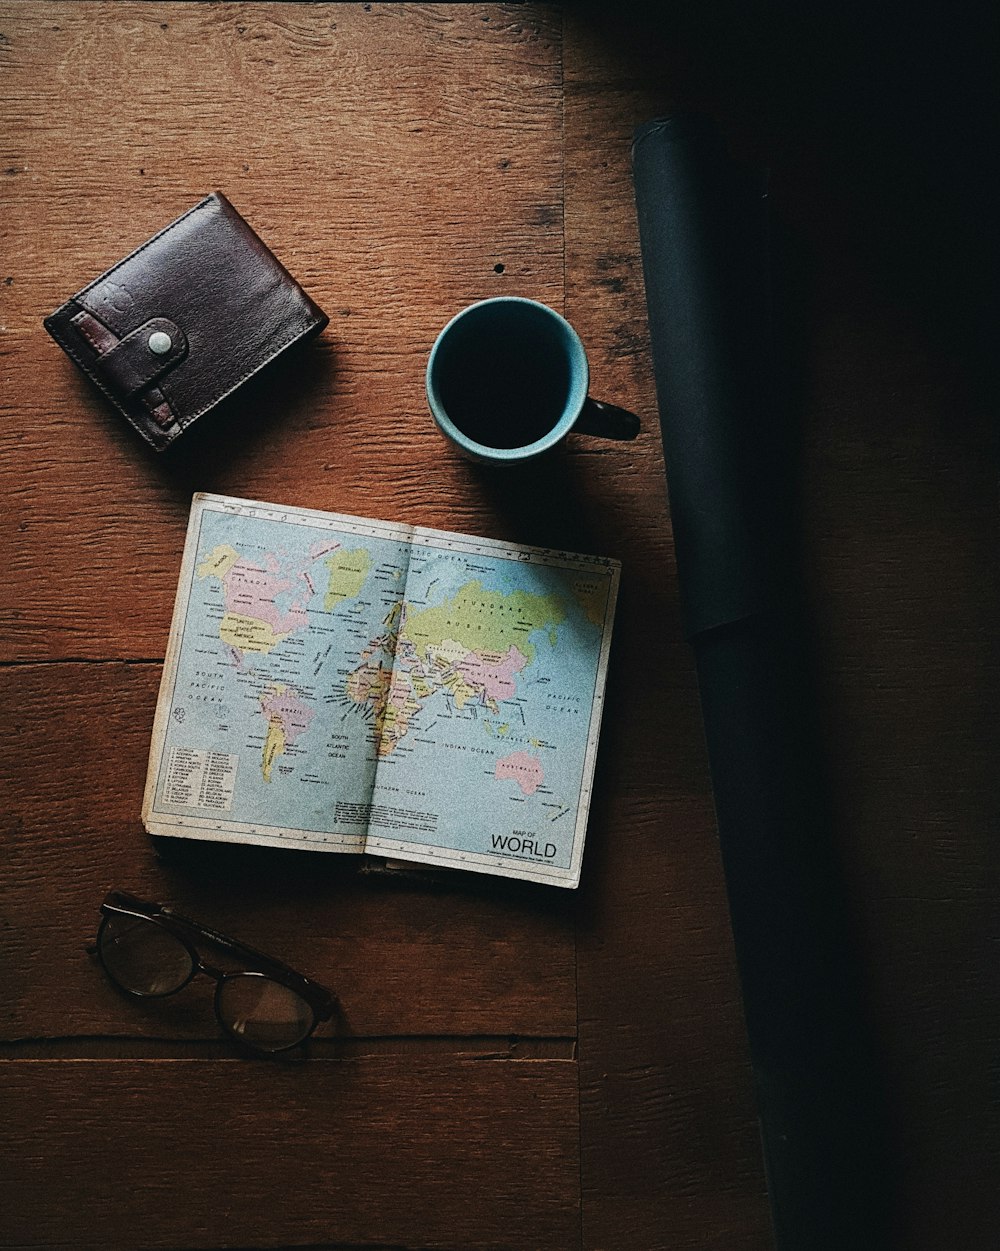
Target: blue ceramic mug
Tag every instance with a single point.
(507, 379)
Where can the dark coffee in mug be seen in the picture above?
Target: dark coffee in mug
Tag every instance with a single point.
(504, 378)
(507, 380)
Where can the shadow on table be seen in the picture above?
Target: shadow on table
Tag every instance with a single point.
(286, 392)
(880, 125)
(243, 868)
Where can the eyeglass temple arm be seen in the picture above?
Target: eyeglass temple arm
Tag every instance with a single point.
(245, 950)
(233, 944)
(224, 941)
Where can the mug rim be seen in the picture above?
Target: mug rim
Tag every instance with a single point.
(575, 400)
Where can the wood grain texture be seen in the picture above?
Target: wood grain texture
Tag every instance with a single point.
(663, 1063)
(503, 964)
(226, 1153)
(878, 258)
(393, 157)
(907, 604)
(403, 160)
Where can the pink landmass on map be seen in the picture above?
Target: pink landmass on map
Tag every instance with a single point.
(524, 769)
(401, 691)
(493, 672)
(252, 592)
(290, 711)
(369, 682)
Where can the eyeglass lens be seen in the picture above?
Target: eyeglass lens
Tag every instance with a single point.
(143, 957)
(263, 1013)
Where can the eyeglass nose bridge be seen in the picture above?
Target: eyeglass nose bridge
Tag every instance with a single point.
(209, 970)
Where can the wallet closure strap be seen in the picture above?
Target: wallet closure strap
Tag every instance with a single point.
(142, 356)
(174, 328)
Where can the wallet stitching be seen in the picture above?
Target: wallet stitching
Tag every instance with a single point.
(286, 342)
(70, 350)
(183, 421)
(179, 351)
(149, 242)
(85, 332)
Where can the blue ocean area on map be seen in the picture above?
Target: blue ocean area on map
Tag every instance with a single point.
(351, 681)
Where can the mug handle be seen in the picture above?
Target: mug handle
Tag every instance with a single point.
(607, 421)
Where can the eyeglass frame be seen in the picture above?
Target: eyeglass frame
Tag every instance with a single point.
(322, 1002)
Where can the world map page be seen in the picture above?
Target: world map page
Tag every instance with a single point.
(345, 684)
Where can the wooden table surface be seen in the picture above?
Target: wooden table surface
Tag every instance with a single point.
(518, 1067)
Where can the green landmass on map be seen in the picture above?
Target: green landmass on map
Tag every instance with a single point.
(348, 571)
(485, 621)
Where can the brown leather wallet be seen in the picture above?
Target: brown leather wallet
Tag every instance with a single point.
(186, 319)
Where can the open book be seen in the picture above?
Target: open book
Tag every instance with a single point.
(343, 684)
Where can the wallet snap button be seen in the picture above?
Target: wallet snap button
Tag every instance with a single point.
(159, 343)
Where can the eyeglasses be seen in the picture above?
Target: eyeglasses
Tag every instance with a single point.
(149, 951)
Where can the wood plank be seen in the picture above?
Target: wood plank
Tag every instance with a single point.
(907, 601)
(474, 956)
(899, 488)
(393, 156)
(381, 1153)
(666, 1100)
